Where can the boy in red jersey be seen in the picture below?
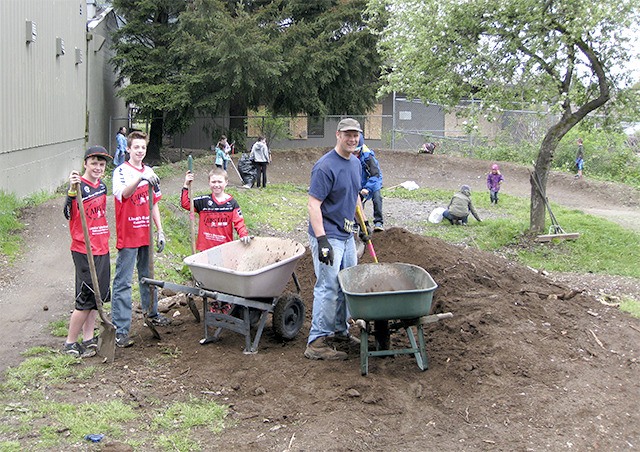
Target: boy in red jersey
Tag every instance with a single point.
(219, 214)
(131, 192)
(94, 197)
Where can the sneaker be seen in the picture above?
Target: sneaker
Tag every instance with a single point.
(91, 343)
(319, 349)
(78, 351)
(123, 340)
(160, 320)
(378, 227)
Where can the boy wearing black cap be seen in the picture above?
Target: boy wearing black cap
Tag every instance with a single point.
(94, 197)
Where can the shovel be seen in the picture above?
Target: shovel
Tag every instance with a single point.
(381, 326)
(237, 172)
(190, 301)
(107, 339)
(152, 288)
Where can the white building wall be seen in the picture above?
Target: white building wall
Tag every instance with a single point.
(43, 95)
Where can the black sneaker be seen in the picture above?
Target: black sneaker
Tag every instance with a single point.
(123, 341)
(78, 351)
(160, 320)
(91, 343)
(74, 349)
(378, 227)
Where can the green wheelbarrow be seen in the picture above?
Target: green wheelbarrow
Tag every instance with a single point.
(394, 291)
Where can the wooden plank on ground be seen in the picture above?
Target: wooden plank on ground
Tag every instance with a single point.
(550, 237)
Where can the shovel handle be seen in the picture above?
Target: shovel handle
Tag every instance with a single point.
(92, 264)
(191, 208)
(360, 218)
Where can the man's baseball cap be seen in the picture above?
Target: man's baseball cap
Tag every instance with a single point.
(349, 124)
(97, 151)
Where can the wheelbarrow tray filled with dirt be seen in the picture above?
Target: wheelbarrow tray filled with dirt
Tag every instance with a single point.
(261, 269)
(387, 291)
(382, 292)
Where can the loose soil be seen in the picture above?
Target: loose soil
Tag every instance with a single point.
(526, 362)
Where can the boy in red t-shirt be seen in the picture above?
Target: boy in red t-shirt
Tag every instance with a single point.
(219, 214)
(131, 192)
(94, 197)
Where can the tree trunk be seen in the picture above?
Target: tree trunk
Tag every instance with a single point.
(237, 126)
(542, 169)
(155, 139)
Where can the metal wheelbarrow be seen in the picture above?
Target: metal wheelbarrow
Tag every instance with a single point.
(397, 291)
(252, 278)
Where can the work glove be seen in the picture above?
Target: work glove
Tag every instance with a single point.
(160, 242)
(246, 239)
(150, 176)
(365, 235)
(325, 250)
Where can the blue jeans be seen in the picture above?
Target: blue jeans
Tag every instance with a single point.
(121, 306)
(376, 198)
(330, 314)
(118, 158)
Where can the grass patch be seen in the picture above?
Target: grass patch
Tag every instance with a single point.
(281, 207)
(78, 420)
(10, 226)
(46, 368)
(603, 246)
(59, 328)
(631, 306)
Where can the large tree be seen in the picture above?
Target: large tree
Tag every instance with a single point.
(293, 56)
(147, 69)
(567, 55)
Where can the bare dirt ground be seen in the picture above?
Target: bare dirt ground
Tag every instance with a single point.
(528, 362)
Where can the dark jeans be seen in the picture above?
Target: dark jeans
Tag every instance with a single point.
(261, 170)
(376, 198)
(453, 219)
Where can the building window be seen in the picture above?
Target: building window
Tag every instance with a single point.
(315, 127)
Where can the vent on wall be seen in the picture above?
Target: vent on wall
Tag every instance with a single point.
(32, 32)
(78, 55)
(59, 46)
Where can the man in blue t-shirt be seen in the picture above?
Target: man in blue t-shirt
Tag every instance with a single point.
(333, 196)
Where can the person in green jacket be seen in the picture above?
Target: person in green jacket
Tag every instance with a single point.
(460, 206)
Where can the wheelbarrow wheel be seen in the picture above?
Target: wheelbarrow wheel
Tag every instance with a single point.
(288, 316)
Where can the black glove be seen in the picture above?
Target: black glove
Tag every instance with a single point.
(325, 250)
(365, 236)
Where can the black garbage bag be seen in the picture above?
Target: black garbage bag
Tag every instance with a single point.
(247, 169)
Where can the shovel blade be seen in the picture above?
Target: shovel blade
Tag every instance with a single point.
(107, 342)
(152, 327)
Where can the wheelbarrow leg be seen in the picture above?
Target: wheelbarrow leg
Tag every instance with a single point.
(419, 347)
(364, 350)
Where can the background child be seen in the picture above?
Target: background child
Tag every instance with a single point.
(94, 197)
(221, 156)
(494, 182)
(580, 158)
(219, 215)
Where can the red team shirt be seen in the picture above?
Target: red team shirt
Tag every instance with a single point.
(217, 220)
(132, 214)
(94, 199)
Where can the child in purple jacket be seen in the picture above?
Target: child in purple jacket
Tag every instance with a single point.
(494, 181)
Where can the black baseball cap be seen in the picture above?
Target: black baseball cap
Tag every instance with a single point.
(97, 151)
